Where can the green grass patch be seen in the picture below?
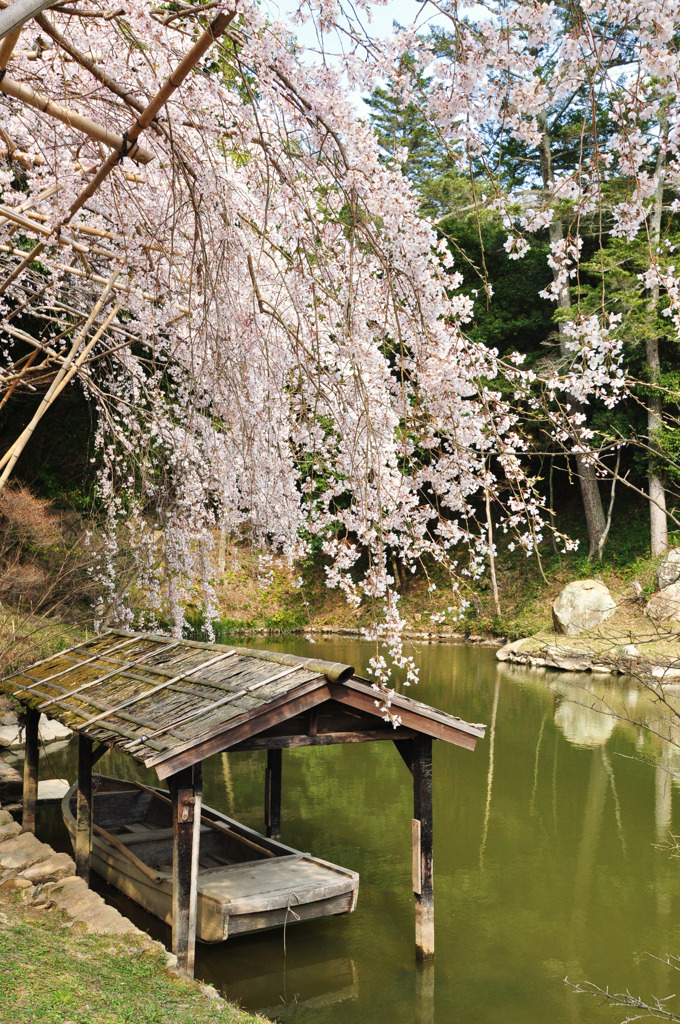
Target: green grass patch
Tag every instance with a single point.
(51, 975)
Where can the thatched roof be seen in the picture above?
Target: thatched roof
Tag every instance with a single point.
(170, 703)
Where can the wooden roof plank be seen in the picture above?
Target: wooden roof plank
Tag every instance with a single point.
(192, 699)
(156, 689)
(248, 725)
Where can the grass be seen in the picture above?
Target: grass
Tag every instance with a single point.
(526, 590)
(50, 974)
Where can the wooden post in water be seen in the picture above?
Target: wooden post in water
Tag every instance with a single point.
(31, 721)
(84, 809)
(272, 794)
(186, 789)
(423, 888)
(425, 992)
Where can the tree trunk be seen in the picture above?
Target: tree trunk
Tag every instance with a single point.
(657, 496)
(590, 492)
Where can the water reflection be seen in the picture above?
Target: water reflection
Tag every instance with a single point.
(546, 854)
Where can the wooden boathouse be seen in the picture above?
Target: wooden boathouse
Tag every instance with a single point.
(172, 703)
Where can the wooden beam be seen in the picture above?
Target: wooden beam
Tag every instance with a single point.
(272, 794)
(423, 888)
(428, 722)
(186, 790)
(99, 752)
(31, 721)
(84, 809)
(322, 739)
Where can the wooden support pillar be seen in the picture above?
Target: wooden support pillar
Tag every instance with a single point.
(186, 790)
(83, 849)
(31, 721)
(272, 794)
(423, 888)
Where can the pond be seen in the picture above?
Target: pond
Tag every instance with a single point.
(546, 856)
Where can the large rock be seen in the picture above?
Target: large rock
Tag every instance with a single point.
(668, 572)
(11, 783)
(73, 897)
(581, 606)
(21, 851)
(664, 606)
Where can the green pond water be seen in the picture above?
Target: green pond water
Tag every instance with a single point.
(546, 856)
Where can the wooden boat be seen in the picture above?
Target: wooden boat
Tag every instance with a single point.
(246, 882)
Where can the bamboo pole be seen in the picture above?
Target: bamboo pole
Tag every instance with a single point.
(9, 214)
(217, 28)
(43, 103)
(18, 13)
(7, 46)
(68, 368)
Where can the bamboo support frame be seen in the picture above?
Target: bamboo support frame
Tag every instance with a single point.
(117, 671)
(64, 671)
(67, 371)
(97, 132)
(7, 46)
(200, 47)
(18, 13)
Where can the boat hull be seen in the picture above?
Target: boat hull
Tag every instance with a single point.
(277, 887)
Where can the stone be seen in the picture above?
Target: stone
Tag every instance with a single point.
(8, 830)
(52, 789)
(581, 606)
(629, 651)
(664, 605)
(567, 661)
(507, 652)
(52, 869)
(80, 903)
(665, 673)
(15, 882)
(11, 783)
(669, 569)
(5, 817)
(22, 851)
(12, 736)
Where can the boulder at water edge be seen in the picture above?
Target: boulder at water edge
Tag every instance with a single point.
(664, 605)
(669, 569)
(582, 605)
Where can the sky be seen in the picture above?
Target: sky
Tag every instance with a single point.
(403, 11)
(383, 17)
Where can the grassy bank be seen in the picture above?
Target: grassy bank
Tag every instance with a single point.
(527, 587)
(52, 974)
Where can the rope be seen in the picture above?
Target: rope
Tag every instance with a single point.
(285, 920)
